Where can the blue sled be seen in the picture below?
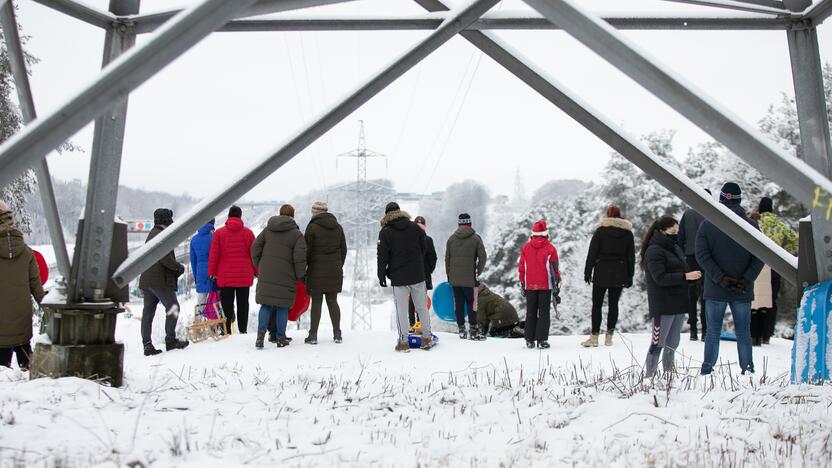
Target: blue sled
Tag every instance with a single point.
(443, 302)
(727, 336)
(415, 341)
(812, 345)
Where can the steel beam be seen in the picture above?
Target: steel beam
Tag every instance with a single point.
(17, 63)
(818, 12)
(816, 146)
(180, 230)
(794, 175)
(737, 5)
(430, 22)
(147, 23)
(117, 80)
(105, 168)
(80, 11)
(628, 146)
(766, 3)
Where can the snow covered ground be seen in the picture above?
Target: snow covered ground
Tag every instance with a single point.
(464, 403)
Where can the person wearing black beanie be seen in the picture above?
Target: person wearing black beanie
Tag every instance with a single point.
(401, 258)
(730, 271)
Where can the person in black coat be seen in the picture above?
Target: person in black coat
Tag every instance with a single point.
(401, 258)
(610, 265)
(730, 271)
(667, 275)
(430, 266)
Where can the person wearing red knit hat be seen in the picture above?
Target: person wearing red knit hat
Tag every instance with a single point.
(539, 278)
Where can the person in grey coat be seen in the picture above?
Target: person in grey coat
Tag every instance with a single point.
(465, 259)
(279, 254)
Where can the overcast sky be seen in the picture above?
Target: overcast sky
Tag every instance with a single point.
(457, 115)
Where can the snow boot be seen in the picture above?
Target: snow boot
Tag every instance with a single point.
(694, 336)
(272, 338)
(337, 337)
(530, 344)
(463, 333)
(608, 339)
(170, 345)
(150, 350)
(282, 342)
(476, 335)
(261, 335)
(427, 342)
(591, 342)
(402, 346)
(543, 345)
(311, 339)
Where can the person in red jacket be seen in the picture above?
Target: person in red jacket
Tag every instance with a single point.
(230, 265)
(539, 278)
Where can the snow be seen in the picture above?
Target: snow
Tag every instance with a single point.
(463, 403)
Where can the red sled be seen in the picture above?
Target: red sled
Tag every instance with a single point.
(43, 268)
(302, 301)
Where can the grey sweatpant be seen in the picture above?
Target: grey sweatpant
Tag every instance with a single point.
(401, 298)
(665, 340)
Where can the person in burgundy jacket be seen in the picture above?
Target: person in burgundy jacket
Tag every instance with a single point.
(539, 279)
(230, 265)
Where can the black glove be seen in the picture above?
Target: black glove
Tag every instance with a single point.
(476, 282)
(588, 279)
(523, 289)
(557, 298)
(382, 282)
(729, 283)
(741, 287)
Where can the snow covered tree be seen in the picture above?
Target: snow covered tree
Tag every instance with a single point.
(14, 194)
(467, 196)
(558, 189)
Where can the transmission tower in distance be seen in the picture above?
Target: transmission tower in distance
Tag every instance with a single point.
(362, 221)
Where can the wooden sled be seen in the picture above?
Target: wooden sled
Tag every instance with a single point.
(209, 321)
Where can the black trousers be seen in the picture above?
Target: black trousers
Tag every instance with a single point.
(332, 307)
(538, 315)
(23, 353)
(241, 314)
(696, 290)
(462, 296)
(598, 293)
(152, 298)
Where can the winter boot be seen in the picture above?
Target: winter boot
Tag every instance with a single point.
(337, 337)
(592, 342)
(463, 333)
(311, 339)
(402, 346)
(261, 336)
(693, 335)
(476, 334)
(282, 342)
(272, 338)
(427, 342)
(543, 345)
(170, 345)
(150, 350)
(530, 344)
(608, 339)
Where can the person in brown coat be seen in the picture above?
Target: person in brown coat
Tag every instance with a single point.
(19, 282)
(326, 252)
(279, 254)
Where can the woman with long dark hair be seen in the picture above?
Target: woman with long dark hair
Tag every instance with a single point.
(667, 275)
(610, 264)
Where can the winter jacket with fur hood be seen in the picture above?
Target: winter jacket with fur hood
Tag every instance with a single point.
(326, 252)
(611, 258)
(279, 252)
(465, 257)
(401, 249)
(164, 273)
(230, 257)
(19, 282)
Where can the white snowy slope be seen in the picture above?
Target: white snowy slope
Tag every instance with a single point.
(464, 403)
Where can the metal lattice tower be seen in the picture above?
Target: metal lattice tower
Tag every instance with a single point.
(362, 221)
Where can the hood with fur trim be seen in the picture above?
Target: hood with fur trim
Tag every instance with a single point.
(619, 223)
(394, 216)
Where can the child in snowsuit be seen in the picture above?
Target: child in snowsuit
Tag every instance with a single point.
(497, 316)
(539, 279)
